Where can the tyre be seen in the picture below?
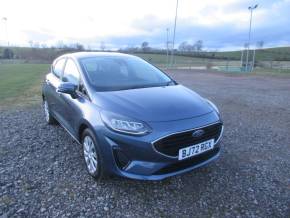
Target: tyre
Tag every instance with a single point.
(48, 117)
(92, 155)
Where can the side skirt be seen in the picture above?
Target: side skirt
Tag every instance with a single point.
(68, 131)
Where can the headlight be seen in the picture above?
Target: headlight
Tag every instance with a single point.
(124, 124)
(213, 105)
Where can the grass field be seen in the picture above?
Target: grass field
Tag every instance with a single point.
(205, 63)
(21, 83)
(160, 60)
(48, 54)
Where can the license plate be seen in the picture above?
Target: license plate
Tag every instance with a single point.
(195, 149)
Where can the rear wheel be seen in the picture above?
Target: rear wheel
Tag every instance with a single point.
(92, 155)
(48, 117)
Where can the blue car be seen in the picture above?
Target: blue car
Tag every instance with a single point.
(131, 119)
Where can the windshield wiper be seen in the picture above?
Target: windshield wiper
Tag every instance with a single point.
(139, 86)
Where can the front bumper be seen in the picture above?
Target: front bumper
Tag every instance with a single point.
(135, 156)
(165, 168)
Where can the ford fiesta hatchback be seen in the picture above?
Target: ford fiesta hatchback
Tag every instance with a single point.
(131, 119)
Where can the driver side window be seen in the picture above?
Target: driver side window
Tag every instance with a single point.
(71, 73)
(58, 67)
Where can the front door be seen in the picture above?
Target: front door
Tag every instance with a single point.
(53, 79)
(70, 107)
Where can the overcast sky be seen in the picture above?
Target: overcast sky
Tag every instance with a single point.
(221, 24)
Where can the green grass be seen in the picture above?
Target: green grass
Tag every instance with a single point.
(48, 54)
(183, 61)
(267, 54)
(21, 83)
(161, 59)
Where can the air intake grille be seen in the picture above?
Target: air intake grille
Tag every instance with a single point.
(188, 162)
(170, 145)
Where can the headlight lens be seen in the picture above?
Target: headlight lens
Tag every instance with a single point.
(213, 106)
(124, 124)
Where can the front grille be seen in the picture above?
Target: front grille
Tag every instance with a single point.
(170, 145)
(188, 162)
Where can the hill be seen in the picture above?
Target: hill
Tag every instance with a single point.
(48, 54)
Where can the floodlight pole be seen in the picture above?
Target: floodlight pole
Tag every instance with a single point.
(242, 56)
(167, 58)
(173, 41)
(254, 54)
(251, 8)
(6, 30)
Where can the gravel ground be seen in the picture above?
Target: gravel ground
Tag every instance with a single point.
(43, 173)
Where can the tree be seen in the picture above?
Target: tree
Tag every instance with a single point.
(260, 44)
(145, 46)
(36, 45)
(198, 45)
(183, 46)
(102, 46)
(79, 47)
(186, 47)
(60, 44)
(43, 45)
(30, 42)
(8, 53)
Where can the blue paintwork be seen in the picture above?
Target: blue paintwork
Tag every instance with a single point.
(154, 104)
(166, 110)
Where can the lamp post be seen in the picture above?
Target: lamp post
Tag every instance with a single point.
(4, 19)
(254, 54)
(251, 8)
(173, 41)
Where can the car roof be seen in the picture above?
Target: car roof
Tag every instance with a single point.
(80, 55)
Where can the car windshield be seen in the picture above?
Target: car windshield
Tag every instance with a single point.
(110, 73)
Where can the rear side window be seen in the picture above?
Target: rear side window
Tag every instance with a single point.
(58, 67)
(71, 73)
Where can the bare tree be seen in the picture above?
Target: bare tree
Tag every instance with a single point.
(60, 44)
(79, 47)
(43, 45)
(145, 46)
(198, 45)
(30, 42)
(103, 46)
(182, 46)
(36, 45)
(260, 44)
(8, 53)
(186, 47)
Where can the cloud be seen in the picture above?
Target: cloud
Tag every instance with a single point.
(220, 24)
(38, 35)
(270, 24)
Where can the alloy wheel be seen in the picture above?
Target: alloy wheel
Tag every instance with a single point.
(46, 111)
(90, 155)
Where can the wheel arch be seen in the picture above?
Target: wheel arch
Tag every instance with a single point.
(84, 124)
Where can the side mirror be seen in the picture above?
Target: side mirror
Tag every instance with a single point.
(67, 88)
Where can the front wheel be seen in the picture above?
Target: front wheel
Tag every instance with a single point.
(92, 155)
(48, 117)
